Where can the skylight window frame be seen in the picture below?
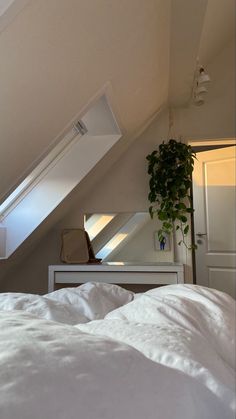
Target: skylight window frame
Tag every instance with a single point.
(46, 164)
(77, 156)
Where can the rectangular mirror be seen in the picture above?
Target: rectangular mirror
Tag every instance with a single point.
(127, 237)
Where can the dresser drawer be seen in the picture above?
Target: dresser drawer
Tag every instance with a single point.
(117, 277)
(159, 274)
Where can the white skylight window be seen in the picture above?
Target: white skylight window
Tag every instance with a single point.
(76, 151)
(40, 170)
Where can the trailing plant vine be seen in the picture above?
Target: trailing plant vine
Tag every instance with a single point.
(170, 169)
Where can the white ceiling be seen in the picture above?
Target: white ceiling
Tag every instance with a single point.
(218, 29)
(56, 55)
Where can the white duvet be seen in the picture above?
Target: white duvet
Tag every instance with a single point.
(187, 328)
(169, 353)
(69, 305)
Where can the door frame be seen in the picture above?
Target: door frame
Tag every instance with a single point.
(198, 146)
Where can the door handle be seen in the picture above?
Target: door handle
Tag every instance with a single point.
(201, 234)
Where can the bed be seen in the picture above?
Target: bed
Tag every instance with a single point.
(99, 351)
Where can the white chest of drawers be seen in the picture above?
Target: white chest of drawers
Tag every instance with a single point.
(148, 274)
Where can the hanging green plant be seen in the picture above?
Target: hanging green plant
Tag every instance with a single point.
(170, 169)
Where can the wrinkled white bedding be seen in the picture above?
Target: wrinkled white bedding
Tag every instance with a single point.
(70, 305)
(42, 307)
(50, 370)
(56, 371)
(187, 328)
(93, 299)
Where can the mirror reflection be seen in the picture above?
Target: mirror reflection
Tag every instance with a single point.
(126, 237)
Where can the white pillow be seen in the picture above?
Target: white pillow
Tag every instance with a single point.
(93, 299)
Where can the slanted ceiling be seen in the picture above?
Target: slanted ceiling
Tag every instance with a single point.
(57, 54)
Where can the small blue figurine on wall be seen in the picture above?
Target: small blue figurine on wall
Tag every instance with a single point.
(163, 243)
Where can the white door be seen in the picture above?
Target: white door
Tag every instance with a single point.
(214, 219)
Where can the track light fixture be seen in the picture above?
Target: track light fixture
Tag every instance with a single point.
(199, 87)
(203, 77)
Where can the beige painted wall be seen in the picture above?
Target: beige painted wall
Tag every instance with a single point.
(141, 247)
(125, 185)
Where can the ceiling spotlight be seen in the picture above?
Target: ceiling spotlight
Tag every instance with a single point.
(199, 100)
(200, 90)
(203, 76)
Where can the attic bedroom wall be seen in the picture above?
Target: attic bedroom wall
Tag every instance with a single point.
(31, 274)
(125, 186)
